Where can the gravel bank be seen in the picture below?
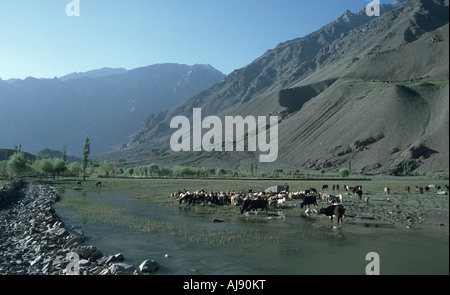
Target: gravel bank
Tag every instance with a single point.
(34, 240)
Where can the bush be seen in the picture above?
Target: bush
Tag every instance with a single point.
(344, 172)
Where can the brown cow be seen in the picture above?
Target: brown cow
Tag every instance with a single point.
(334, 210)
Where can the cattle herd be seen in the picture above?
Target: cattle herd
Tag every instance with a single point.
(253, 200)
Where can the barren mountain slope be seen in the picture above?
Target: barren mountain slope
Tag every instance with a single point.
(370, 93)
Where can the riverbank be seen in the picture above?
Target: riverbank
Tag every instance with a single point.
(34, 240)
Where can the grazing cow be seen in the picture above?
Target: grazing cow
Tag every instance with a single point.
(359, 192)
(309, 200)
(249, 205)
(387, 190)
(325, 187)
(98, 184)
(334, 210)
(408, 189)
(79, 183)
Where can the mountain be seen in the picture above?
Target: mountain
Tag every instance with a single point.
(103, 72)
(371, 92)
(108, 105)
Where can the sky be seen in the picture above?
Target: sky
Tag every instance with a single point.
(39, 39)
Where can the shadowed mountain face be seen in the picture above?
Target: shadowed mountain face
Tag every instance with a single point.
(108, 105)
(370, 91)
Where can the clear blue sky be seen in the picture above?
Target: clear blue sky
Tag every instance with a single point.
(38, 39)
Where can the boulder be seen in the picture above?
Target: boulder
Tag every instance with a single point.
(85, 251)
(149, 266)
(122, 269)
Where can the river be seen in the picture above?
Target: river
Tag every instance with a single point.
(283, 243)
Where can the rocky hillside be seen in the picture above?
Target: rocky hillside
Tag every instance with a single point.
(369, 92)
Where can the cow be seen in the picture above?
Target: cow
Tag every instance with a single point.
(334, 210)
(325, 187)
(359, 192)
(79, 183)
(408, 189)
(186, 197)
(387, 190)
(309, 200)
(98, 184)
(249, 205)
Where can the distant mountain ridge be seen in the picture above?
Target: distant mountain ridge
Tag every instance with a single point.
(323, 86)
(107, 105)
(94, 73)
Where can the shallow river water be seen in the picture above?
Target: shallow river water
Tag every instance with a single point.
(282, 244)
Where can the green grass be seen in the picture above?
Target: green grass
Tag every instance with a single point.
(159, 190)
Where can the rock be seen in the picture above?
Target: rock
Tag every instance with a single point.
(122, 269)
(105, 272)
(37, 260)
(119, 257)
(61, 232)
(96, 255)
(73, 242)
(149, 266)
(85, 251)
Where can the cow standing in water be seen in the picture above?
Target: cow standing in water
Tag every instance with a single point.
(334, 210)
(249, 205)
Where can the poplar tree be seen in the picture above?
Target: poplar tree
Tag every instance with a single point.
(87, 149)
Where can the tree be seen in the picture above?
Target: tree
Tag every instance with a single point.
(17, 165)
(75, 168)
(59, 166)
(46, 166)
(86, 151)
(3, 167)
(108, 167)
(153, 169)
(64, 154)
